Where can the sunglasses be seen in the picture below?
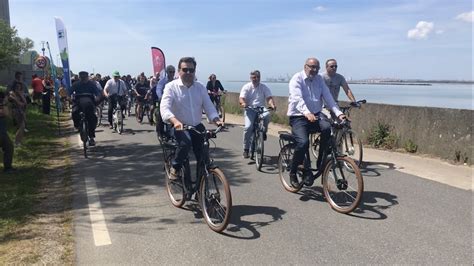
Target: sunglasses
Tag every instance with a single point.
(188, 70)
(313, 66)
(333, 66)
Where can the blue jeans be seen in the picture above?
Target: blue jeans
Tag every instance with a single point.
(301, 128)
(248, 128)
(185, 140)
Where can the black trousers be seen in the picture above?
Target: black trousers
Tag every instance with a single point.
(7, 148)
(86, 105)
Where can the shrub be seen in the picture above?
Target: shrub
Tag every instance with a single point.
(381, 137)
(410, 146)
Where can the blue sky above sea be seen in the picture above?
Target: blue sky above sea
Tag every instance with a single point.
(425, 39)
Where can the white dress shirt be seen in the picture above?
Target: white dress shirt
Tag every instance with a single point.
(255, 96)
(112, 87)
(186, 104)
(306, 95)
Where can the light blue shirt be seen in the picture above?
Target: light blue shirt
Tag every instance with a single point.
(306, 95)
(186, 104)
(160, 86)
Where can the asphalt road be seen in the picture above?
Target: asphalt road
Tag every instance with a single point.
(119, 194)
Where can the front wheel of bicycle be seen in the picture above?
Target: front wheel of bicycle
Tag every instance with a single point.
(119, 116)
(285, 159)
(343, 184)
(99, 115)
(174, 188)
(352, 146)
(222, 113)
(259, 150)
(215, 199)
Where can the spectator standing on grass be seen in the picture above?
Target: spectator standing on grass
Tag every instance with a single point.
(18, 103)
(5, 142)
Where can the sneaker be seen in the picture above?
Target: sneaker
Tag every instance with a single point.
(246, 154)
(308, 179)
(91, 142)
(174, 174)
(264, 136)
(294, 180)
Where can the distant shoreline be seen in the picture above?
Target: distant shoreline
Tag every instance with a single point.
(421, 83)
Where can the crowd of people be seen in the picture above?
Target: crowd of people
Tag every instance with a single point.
(181, 100)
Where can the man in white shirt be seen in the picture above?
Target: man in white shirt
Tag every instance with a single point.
(115, 90)
(182, 104)
(307, 91)
(254, 94)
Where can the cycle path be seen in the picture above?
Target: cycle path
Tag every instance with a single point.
(123, 215)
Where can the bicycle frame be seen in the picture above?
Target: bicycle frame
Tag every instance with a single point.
(202, 166)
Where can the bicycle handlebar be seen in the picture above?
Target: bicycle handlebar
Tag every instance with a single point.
(210, 134)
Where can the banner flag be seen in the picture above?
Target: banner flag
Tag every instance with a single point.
(63, 50)
(55, 77)
(158, 58)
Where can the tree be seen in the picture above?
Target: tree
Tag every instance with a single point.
(11, 46)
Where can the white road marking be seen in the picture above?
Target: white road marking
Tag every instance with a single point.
(99, 227)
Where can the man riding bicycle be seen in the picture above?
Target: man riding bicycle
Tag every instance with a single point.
(86, 94)
(182, 104)
(140, 89)
(307, 91)
(254, 94)
(115, 89)
(170, 71)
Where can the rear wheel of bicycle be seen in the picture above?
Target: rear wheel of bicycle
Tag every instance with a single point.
(343, 184)
(285, 159)
(119, 120)
(174, 188)
(352, 146)
(84, 137)
(315, 140)
(259, 150)
(215, 199)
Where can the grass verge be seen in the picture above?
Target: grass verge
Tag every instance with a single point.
(34, 200)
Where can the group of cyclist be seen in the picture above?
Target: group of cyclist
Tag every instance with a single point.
(182, 99)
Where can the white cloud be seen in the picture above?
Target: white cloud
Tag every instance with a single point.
(421, 31)
(320, 8)
(466, 17)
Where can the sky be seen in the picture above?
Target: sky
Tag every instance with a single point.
(408, 39)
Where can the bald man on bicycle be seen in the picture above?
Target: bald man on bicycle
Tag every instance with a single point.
(307, 91)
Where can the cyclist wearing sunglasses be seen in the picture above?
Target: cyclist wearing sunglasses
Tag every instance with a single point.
(335, 81)
(307, 91)
(182, 104)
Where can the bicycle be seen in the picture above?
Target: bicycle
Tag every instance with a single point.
(210, 184)
(146, 111)
(349, 142)
(342, 182)
(219, 105)
(84, 132)
(257, 145)
(117, 117)
(129, 104)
